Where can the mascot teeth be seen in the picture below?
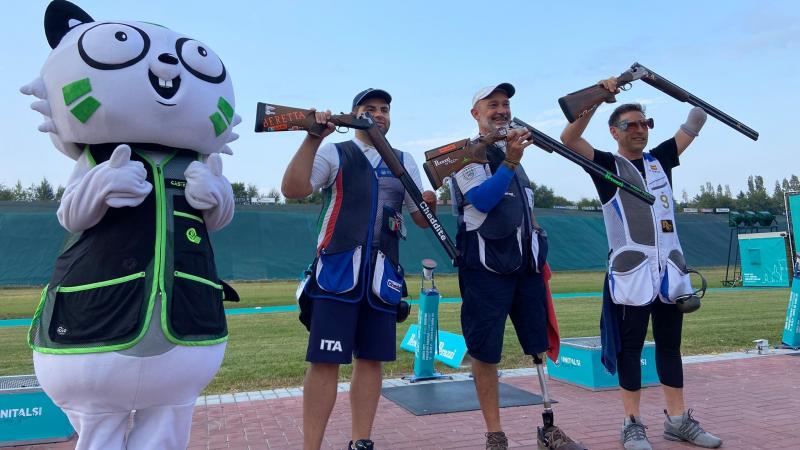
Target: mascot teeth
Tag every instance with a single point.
(165, 83)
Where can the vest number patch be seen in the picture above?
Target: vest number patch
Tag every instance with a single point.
(664, 200)
(667, 226)
(191, 235)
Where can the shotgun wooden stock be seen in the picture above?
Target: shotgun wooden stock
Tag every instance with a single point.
(578, 103)
(271, 117)
(444, 161)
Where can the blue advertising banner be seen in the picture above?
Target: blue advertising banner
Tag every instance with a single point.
(451, 351)
(791, 328)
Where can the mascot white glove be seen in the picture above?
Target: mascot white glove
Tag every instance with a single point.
(118, 182)
(125, 180)
(208, 190)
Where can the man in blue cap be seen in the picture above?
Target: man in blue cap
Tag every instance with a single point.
(350, 301)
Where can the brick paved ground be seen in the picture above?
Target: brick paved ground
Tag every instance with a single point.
(751, 403)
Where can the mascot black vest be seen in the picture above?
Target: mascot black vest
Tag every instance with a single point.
(502, 243)
(359, 228)
(105, 282)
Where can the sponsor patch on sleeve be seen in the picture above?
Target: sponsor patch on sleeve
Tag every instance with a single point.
(667, 226)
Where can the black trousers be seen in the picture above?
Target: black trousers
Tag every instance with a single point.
(667, 326)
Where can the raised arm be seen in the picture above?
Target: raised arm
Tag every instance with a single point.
(690, 129)
(572, 136)
(296, 182)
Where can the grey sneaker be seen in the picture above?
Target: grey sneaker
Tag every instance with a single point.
(633, 435)
(496, 440)
(688, 429)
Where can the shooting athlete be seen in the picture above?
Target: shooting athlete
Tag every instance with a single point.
(356, 282)
(502, 263)
(647, 270)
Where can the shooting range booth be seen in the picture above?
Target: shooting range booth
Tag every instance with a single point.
(27, 415)
(791, 327)
(579, 364)
(765, 259)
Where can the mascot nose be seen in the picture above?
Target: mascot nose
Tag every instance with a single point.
(166, 58)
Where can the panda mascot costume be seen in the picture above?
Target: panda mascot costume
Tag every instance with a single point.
(131, 327)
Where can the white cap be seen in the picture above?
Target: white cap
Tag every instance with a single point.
(487, 91)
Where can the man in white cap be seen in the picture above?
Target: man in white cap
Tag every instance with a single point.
(503, 253)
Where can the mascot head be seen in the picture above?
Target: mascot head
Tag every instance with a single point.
(130, 82)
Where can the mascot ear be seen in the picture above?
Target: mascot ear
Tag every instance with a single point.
(60, 17)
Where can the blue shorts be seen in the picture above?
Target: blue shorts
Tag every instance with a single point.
(489, 299)
(341, 330)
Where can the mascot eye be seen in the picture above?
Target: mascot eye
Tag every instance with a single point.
(200, 61)
(111, 46)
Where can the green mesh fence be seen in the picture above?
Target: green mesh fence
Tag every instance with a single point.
(277, 242)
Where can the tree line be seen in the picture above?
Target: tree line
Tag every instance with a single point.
(42, 192)
(755, 198)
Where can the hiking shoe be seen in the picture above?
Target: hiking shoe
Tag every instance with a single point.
(689, 430)
(361, 444)
(496, 440)
(553, 438)
(633, 435)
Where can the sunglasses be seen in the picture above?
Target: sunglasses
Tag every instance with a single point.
(641, 124)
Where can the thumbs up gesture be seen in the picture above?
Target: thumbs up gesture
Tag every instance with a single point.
(206, 187)
(125, 180)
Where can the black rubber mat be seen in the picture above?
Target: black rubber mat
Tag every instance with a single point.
(453, 396)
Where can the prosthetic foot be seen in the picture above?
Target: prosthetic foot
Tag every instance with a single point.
(549, 436)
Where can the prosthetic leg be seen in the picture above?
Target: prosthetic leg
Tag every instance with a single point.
(549, 436)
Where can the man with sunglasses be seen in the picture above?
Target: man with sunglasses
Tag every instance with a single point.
(647, 271)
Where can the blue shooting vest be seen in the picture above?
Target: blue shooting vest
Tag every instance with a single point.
(359, 230)
(506, 241)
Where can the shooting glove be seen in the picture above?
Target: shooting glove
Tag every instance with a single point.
(694, 122)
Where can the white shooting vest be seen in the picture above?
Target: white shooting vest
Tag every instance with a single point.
(646, 260)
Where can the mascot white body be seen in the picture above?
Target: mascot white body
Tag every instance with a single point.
(132, 321)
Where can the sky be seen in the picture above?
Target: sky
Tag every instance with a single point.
(741, 56)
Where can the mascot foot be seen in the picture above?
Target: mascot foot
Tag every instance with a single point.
(552, 438)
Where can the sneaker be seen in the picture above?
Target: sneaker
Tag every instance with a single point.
(496, 440)
(553, 438)
(361, 444)
(688, 429)
(633, 435)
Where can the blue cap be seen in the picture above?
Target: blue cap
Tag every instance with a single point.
(367, 94)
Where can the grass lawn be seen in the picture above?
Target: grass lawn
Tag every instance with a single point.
(268, 350)
(21, 302)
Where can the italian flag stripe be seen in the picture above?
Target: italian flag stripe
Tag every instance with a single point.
(329, 222)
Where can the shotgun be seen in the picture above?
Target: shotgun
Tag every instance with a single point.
(394, 164)
(271, 117)
(580, 102)
(444, 161)
(551, 145)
